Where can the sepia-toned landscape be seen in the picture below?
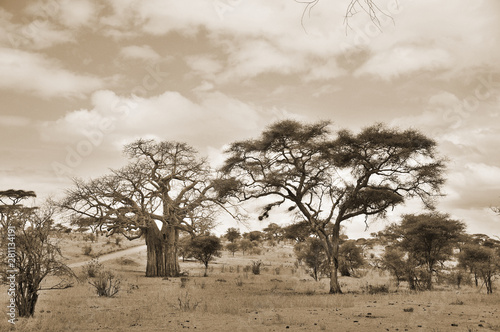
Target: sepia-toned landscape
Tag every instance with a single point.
(282, 297)
(231, 165)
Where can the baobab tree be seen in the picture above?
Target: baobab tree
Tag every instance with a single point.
(164, 190)
(329, 180)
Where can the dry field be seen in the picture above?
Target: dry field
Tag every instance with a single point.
(281, 298)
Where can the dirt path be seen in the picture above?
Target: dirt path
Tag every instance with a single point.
(113, 255)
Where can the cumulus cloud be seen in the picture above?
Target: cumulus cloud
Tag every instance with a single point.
(35, 73)
(214, 120)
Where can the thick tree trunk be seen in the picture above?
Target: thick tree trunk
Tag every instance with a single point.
(162, 252)
(334, 282)
(333, 260)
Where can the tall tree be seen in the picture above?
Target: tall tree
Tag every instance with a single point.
(329, 180)
(165, 189)
(427, 240)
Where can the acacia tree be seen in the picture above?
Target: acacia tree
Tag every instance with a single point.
(483, 261)
(165, 189)
(329, 179)
(205, 248)
(232, 234)
(351, 258)
(427, 240)
(12, 208)
(299, 231)
(274, 232)
(312, 253)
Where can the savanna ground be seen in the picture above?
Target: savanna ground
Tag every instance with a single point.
(281, 298)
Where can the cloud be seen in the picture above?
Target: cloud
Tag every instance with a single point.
(204, 65)
(405, 60)
(470, 142)
(35, 73)
(144, 52)
(213, 120)
(68, 13)
(36, 34)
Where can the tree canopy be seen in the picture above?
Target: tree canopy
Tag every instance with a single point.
(165, 189)
(330, 179)
(427, 239)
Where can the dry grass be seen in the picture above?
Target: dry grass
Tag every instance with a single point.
(232, 301)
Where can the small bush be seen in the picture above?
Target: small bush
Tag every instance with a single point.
(127, 261)
(87, 250)
(239, 282)
(186, 303)
(118, 241)
(256, 267)
(184, 281)
(92, 268)
(106, 284)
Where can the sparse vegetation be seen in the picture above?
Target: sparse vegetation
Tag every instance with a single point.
(256, 267)
(106, 284)
(92, 268)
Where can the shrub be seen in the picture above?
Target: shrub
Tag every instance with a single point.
(184, 281)
(106, 284)
(186, 303)
(118, 241)
(256, 267)
(92, 268)
(127, 261)
(87, 250)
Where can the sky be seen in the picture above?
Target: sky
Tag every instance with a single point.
(81, 78)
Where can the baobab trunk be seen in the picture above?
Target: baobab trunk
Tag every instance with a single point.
(162, 251)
